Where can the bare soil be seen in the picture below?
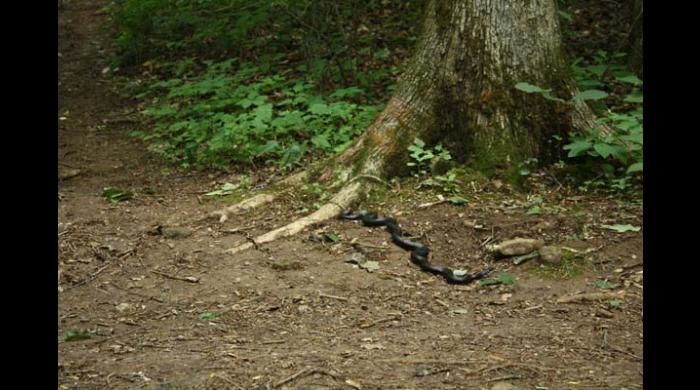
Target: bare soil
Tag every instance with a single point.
(169, 311)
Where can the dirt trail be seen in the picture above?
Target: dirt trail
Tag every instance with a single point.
(293, 314)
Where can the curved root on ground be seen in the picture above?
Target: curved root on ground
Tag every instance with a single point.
(332, 209)
(257, 200)
(248, 204)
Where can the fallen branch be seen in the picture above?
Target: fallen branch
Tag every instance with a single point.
(189, 279)
(305, 372)
(344, 299)
(91, 277)
(380, 321)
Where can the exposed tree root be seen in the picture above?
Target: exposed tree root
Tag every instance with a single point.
(340, 201)
(257, 200)
(245, 205)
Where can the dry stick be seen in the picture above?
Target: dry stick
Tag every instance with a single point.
(616, 349)
(442, 303)
(429, 361)
(188, 279)
(344, 299)
(431, 204)
(304, 372)
(229, 381)
(91, 277)
(360, 244)
(504, 378)
(274, 342)
(238, 229)
(377, 322)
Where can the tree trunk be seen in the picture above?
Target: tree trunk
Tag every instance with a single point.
(458, 89)
(636, 49)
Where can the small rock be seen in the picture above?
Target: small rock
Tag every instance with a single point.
(176, 232)
(603, 313)
(303, 308)
(516, 246)
(123, 306)
(544, 225)
(68, 173)
(503, 386)
(550, 255)
(355, 258)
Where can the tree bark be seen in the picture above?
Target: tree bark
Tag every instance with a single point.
(458, 89)
(635, 42)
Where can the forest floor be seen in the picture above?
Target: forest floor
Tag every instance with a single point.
(161, 308)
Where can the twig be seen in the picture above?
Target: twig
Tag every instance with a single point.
(432, 372)
(229, 381)
(305, 372)
(189, 279)
(274, 342)
(442, 303)
(633, 265)
(237, 230)
(431, 204)
(344, 299)
(370, 246)
(381, 321)
(616, 349)
(429, 361)
(504, 378)
(91, 277)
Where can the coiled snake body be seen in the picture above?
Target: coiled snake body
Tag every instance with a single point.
(419, 252)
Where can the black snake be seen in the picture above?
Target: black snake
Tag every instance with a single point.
(419, 252)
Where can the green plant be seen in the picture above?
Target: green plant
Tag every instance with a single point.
(618, 153)
(224, 116)
(425, 160)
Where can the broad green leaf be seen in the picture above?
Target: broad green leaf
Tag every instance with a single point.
(635, 97)
(503, 278)
(332, 237)
(566, 16)
(606, 150)
(578, 147)
(115, 195)
(534, 210)
(622, 228)
(74, 335)
(319, 108)
(523, 258)
(458, 200)
(636, 167)
(320, 141)
(270, 146)
(209, 315)
(615, 303)
(529, 88)
(591, 94)
(604, 284)
(631, 79)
